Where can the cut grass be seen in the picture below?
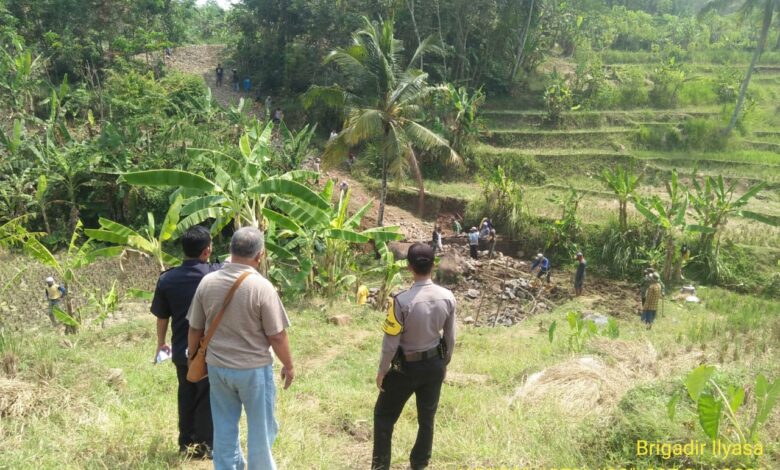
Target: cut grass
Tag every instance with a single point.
(574, 138)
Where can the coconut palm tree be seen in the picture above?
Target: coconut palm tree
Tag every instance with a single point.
(747, 7)
(382, 101)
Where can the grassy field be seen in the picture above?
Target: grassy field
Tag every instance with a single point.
(96, 401)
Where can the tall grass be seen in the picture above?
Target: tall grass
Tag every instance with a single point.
(87, 420)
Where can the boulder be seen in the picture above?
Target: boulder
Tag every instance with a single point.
(468, 321)
(339, 320)
(116, 378)
(399, 249)
(450, 270)
(596, 318)
(472, 293)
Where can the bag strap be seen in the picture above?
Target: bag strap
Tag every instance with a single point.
(205, 341)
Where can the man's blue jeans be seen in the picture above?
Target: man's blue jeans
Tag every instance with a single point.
(255, 390)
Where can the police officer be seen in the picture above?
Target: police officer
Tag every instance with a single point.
(413, 345)
(172, 299)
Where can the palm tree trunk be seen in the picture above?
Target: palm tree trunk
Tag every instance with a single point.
(45, 217)
(777, 44)
(420, 183)
(521, 47)
(669, 258)
(623, 216)
(410, 6)
(380, 217)
(441, 40)
(768, 9)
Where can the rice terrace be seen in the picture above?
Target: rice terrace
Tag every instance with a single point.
(527, 234)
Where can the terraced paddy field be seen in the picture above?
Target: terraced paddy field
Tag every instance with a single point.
(547, 160)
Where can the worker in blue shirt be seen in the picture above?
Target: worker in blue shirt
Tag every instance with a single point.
(544, 266)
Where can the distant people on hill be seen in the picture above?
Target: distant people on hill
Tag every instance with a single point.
(473, 242)
(268, 104)
(235, 80)
(652, 297)
(220, 74)
(278, 116)
(247, 84)
(492, 242)
(543, 264)
(333, 134)
(436, 240)
(579, 276)
(352, 159)
(456, 227)
(54, 294)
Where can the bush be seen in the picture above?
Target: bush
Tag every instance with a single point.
(619, 251)
(692, 134)
(703, 134)
(663, 137)
(697, 93)
(558, 98)
(184, 91)
(632, 91)
(667, 80)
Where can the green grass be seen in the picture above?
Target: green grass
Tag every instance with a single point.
(326, 417)
(759, 157)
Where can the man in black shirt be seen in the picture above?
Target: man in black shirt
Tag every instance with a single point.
(220, 74)
(579, 276)
(172, 297)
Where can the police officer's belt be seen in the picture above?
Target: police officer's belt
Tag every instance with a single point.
(423, 355)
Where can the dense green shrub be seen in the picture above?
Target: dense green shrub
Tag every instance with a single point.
(632, 90)
(703, 134)
(697, 92)
(667, 80)
(184, 91)
(692, 134)
(623, 254)
(558, 98)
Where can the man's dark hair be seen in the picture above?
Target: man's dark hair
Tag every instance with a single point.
(195, 240)
(420, 257)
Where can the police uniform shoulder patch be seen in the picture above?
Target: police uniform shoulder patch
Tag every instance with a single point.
(391, 326)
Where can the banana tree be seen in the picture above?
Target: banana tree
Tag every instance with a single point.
(21, 80)
(238, 191)
(322, 240)
(669, 217)
(66, 266)
(390, 270)
(147, 241)
(714, 203)
(624, 184)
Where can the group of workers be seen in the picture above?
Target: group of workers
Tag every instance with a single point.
(277, 115)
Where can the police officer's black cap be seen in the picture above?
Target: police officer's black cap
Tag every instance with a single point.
(420, 254)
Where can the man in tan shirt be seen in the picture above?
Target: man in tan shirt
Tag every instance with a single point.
(239, 356)
(420, 330)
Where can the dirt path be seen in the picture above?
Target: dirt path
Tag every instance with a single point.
(202, 60)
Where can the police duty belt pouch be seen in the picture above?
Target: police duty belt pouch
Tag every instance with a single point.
(399, 361)
(198, 370)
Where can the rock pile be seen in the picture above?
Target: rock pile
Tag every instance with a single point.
(500, 291)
